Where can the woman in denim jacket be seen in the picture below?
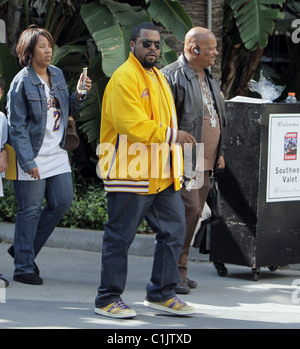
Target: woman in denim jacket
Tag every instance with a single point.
(38, 106)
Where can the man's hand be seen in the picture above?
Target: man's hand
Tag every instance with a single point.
(221, 163)
(184, 137)
(3, 160)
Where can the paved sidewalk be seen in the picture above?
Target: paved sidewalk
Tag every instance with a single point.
(91, 240)
(71, 277)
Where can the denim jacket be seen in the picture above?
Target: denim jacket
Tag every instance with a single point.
(27, 112)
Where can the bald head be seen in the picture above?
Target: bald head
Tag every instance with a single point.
(197, 35)
(200, 47)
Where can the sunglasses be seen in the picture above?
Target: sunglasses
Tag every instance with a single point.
(147, 43)
(53, 95)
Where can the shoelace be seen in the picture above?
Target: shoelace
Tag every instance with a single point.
(121, 305)
(176, 301)
(179, 301)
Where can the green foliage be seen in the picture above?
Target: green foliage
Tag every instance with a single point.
(8, 69)
(172, 15)
(95, 34)
(110, 23)
(88, 210)
(8, 204)
(255, 20)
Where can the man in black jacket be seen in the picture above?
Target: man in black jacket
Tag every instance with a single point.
(201, 112)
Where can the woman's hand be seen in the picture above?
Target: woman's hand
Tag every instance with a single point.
(35, 173)
(88, 85)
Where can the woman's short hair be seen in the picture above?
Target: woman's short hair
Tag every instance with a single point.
(27, 42)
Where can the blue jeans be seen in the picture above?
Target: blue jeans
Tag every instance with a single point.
(33, 224)
(165, 214)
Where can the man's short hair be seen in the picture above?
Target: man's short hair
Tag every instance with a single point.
(136, 31)
(2, 82)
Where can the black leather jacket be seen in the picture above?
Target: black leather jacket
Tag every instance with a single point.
(186, 90)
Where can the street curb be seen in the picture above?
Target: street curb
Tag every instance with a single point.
(91, 240)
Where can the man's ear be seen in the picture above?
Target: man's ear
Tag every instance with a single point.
(196, 49)
(132, 45)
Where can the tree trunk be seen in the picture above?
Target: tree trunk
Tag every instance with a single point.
(249, 69)
(198, 12)
(229, 64)
(217, 29)
(13, 21)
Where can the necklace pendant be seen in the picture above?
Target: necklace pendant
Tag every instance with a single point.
(213, 122)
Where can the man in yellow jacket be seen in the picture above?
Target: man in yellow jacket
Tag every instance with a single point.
(140, 162)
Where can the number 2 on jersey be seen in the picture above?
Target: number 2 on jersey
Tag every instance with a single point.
(56, 116)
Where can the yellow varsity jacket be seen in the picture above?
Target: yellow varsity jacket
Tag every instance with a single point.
(138, 149)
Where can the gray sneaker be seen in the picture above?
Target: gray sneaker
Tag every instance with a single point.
(182, 287)
(191, 283)
(172, 305)
(116, 309)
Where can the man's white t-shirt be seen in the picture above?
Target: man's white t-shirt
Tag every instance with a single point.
(51, 159)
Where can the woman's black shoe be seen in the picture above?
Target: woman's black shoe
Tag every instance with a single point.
(30, 279)
(11, 251)
(6, 283)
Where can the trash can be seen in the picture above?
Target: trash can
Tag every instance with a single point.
(260, 189)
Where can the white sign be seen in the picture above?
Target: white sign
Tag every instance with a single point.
(283, 177)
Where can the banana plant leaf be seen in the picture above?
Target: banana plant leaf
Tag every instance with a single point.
(110, 24)
(68, 49)
(172, 15)
(90, 115)
(8, 68)
(255, 20)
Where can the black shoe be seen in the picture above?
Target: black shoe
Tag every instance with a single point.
(191, 283)
(182, 287)
(4, 280)
(30, 279)
(11, 251)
